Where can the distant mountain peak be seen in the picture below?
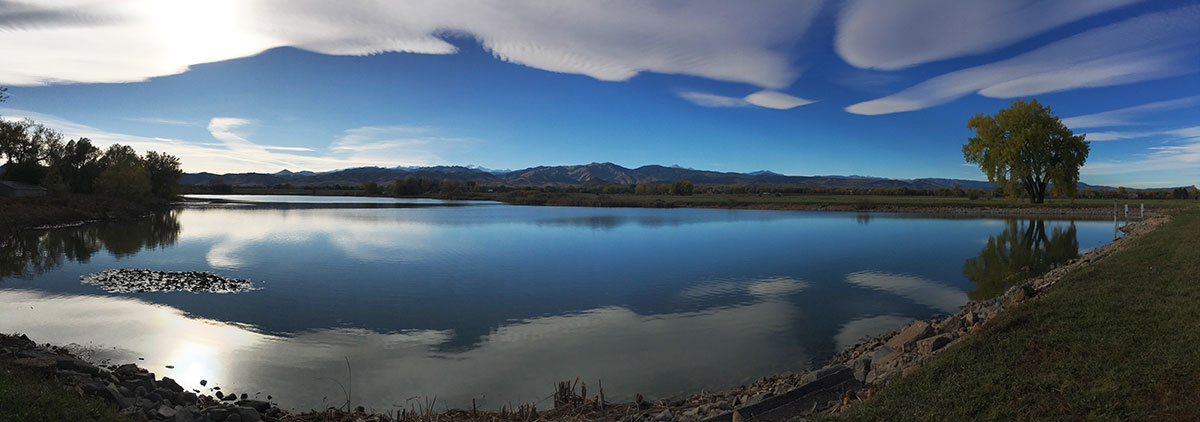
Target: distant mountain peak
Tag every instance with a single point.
(764, 173)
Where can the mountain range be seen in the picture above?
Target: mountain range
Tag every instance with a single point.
(573, 175)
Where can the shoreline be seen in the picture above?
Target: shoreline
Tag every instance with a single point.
(21, 214)
(853, 374)
(978, 209)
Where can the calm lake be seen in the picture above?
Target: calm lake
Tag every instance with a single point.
(425, 298)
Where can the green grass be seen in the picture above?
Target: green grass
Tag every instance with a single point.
(1119, 340)
(26, 395)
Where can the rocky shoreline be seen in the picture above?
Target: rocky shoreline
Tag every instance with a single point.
(852, 375)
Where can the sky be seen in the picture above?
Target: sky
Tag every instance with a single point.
(799, 87)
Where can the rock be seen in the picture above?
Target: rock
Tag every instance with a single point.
(259, 405)
(756, 399)
(692, 413)
(170, 384)
(909, 370)
(161, 394)
(134, 414)
(882, 356)
(934, 343)
(247, 414)
(910, 334)
(970, 319)
(861, 367)
(107, 392)
(186, 398)
(165, 412)
(950, 324)
(664, 416)
(216, 413)
(233, 418)
(38, 363)
(1018, 294)
(78, 366)
(185, 415)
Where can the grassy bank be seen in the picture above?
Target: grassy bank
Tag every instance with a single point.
(28, 395)
(1114, 341)
(21, 213)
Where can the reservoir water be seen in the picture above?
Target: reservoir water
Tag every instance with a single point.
(412, 300)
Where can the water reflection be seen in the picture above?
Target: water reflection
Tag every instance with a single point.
(494, 302)
(1021, 251)
(34, 252)
(662, 354)
(925, 292)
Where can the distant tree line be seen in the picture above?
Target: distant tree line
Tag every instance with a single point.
(36, 154)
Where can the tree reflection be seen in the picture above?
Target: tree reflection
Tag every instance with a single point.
(1021, 251)
(34, 252)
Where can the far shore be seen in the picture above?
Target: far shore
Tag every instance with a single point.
(999, 207)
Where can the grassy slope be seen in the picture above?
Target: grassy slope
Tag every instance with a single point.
(1119, 340)
(26, 395)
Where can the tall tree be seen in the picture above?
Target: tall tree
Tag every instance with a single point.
(164, 173)
(1025, 147)
(124, 173)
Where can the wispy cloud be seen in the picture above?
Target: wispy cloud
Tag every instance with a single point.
(1188, 134)
(892, 35)
(612, 41)
(162, 121)
(713, 100)
(234, 150)
(1183, 159)
(1146, 47)
(1128, 116)
(765, 98)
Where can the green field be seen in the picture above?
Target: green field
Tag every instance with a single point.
(1115, 341)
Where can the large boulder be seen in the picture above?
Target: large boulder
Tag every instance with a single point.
(932, 344)
(909, 336)
(1019, 294)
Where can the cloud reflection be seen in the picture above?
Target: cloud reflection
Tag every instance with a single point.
(919, 290)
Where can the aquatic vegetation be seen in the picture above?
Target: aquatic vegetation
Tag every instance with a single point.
(138, 281)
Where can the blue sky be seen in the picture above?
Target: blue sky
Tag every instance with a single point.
(797, 87)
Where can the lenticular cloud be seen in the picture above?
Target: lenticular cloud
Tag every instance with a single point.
(64, 41)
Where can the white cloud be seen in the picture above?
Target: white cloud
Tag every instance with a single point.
(1160, 158)
(765, 98)
(776, 100)
(713, 100)
(1150, 46)
(1114, 136)
(612, 41)
(892, 35)
(1188, 133)
(235, 153)
(1129, 115)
